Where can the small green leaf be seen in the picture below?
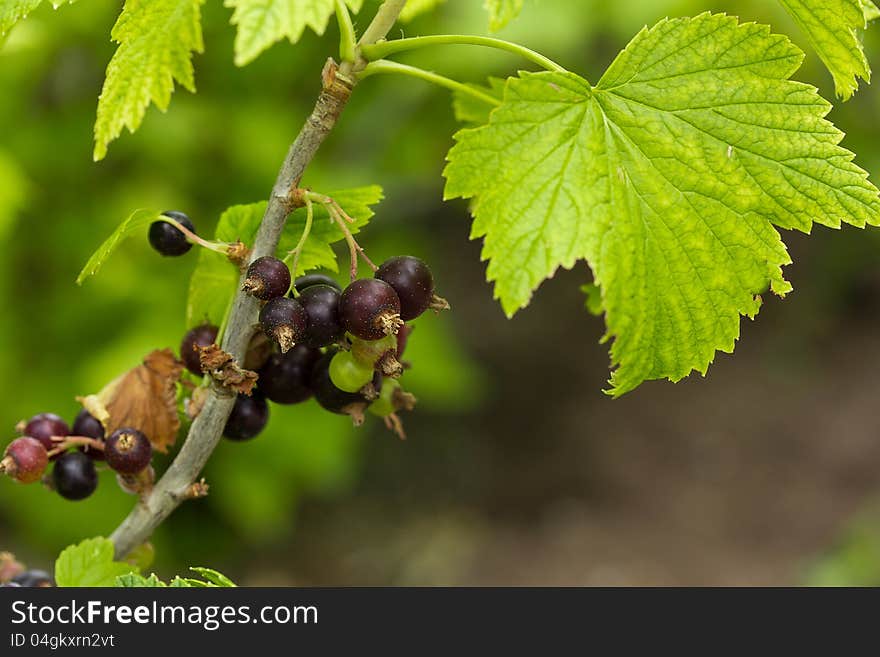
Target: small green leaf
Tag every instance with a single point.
(214, 280)
(156, 40)
(415, 8)
(133, 580)
(262, 23)
(317, 252)
(472, 110)
(13, 11)
(90, 563)
(501, 12)
(180, 583)
(833, 28)
(214, 577)
(668, 177)
(135, 221)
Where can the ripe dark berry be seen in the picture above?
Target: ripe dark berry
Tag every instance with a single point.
(128, 451)
(413, 282)
(34, 578)
(308, 280)
(248, 418)
(167, 239)
(74, 476)
(321, 303)
(25, 460)
(87, 425)
(45, 425)
(201, 336)
(285, 321)
(267, 278)
(332, 398)
(284, 379)
(369, 309)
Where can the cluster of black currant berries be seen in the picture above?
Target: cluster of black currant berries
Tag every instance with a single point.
(342, 347)
(73, 451)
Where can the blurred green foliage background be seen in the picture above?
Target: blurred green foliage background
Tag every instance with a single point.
(518, 469)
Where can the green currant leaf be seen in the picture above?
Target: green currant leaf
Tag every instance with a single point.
(472, 110)
(133, 580)
(156, 40)
(833, 29)
(501, 12)
(415, 8)
(317, 252)
(135, 221)
(668, 178)
(13, 11)
(214, 577)
(90, 563)
(262, 23)
(215, 278)
(872, 12)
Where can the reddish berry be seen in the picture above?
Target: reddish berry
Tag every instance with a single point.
(44, 426)
(25, 460)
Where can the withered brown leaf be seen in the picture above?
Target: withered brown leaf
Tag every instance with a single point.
(145, 398)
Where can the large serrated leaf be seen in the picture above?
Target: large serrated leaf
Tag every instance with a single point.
(668, 177)
(135, 221)
(90, 563)
(833, 28)
(156, 40)
(261, 23)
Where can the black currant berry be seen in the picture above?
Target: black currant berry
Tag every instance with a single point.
(308, 280)
(24, 460)
(285, 321)
(88, 425)
(248, 418)
(201, 336)
(45, 425)
(128, 451)
(167, 239)
(369, 309)
(267, 278)
(34, 578)
(284, 379)
(413, 282)
(74, 476)
(331, 398)
(321, 303)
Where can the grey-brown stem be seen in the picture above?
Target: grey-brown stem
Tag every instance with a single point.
(176, 484)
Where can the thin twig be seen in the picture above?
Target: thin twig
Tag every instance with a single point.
(206, 430)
